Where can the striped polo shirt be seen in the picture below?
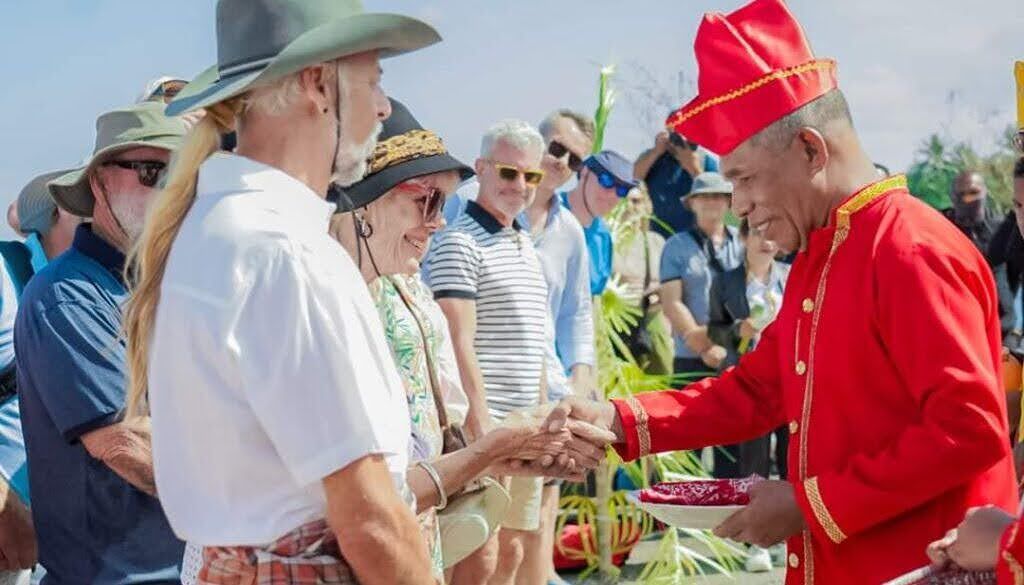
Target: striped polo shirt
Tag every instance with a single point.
(478, 258)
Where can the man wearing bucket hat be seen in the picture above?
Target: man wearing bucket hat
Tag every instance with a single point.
(604, 180)
(883, 359)
(280, 424)
(689, 262)
(90, 472)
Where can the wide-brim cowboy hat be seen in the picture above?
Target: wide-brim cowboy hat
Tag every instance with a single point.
(140, 125)
(261, 41)
(404, 150)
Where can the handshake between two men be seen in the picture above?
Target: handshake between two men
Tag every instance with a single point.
(580, 430)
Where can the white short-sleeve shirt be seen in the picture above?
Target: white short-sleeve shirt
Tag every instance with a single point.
(268, 369)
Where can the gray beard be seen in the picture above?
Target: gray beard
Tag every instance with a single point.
(351, 163)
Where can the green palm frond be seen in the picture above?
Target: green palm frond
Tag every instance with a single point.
(605, 102)
(675, 561)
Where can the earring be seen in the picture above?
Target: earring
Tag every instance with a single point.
(365, 229)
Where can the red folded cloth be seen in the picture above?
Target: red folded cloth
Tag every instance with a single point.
(704, 492)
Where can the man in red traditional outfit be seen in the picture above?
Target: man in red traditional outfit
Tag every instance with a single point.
(883, 360)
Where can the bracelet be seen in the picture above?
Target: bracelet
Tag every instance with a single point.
(434, 477)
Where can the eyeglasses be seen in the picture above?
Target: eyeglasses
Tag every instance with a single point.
(608, 180)
(147, 171)
(433, 200)
(679, 141)
(558, 150)
(533, 177)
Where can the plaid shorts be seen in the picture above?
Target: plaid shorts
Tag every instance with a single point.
(308, 555)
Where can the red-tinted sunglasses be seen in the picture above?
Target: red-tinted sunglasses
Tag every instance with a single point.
(433, 199)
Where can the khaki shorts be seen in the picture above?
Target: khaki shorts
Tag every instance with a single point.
(524, 503)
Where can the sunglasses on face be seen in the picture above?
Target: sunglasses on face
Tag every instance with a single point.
(147, 171)
(607, 180)
(533, 177)
(432, 203)
(680, 142)
(558, 150)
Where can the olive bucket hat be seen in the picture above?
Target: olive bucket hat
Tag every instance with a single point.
(133, 127)
(261, 41)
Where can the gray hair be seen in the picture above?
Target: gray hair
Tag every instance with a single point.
(584, 123)
(817, 114)
(515, 133)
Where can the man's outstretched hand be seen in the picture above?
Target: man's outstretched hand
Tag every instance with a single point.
(600, 415)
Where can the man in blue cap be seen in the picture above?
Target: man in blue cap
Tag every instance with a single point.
(605, 179)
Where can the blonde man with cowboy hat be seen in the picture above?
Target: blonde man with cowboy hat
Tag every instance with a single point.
(94, 502)
(280, 423)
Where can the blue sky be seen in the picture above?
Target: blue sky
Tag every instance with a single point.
(900, 61)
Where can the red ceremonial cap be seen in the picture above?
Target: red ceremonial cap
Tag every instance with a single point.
(755, 67)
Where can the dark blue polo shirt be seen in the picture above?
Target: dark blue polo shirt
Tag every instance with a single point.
(666, 183)
(92, 526)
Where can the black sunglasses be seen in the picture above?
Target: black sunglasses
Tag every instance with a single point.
(679, 141)
(148, 171)
(558, 150)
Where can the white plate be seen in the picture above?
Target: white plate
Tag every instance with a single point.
(692, 517)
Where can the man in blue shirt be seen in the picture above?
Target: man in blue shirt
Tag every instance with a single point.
(91, 473)
(689, 263)
(668, 170)
(604, 180)
(562, 248)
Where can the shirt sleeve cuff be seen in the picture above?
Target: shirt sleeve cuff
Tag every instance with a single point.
(633, 419)
(816, 513)
(1008, 567)
(455, 294)
(74, 433)
(576, 356)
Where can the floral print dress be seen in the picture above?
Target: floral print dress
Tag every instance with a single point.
(410, 349)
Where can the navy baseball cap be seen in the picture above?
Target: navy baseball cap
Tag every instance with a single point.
(612, 170)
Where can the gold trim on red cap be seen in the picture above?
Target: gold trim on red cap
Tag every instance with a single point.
(818, 64)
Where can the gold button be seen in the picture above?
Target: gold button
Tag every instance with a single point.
(793, 427)
(794, 561)
(801, 368)
(808, 305)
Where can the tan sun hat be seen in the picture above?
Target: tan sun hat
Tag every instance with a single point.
(136, 126)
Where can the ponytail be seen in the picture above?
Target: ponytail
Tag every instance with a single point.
(147, 258)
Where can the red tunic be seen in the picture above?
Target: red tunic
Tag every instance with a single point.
(883, 362)
(1010, 568)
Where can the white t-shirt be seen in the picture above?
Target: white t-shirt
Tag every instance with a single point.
(268, 369)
